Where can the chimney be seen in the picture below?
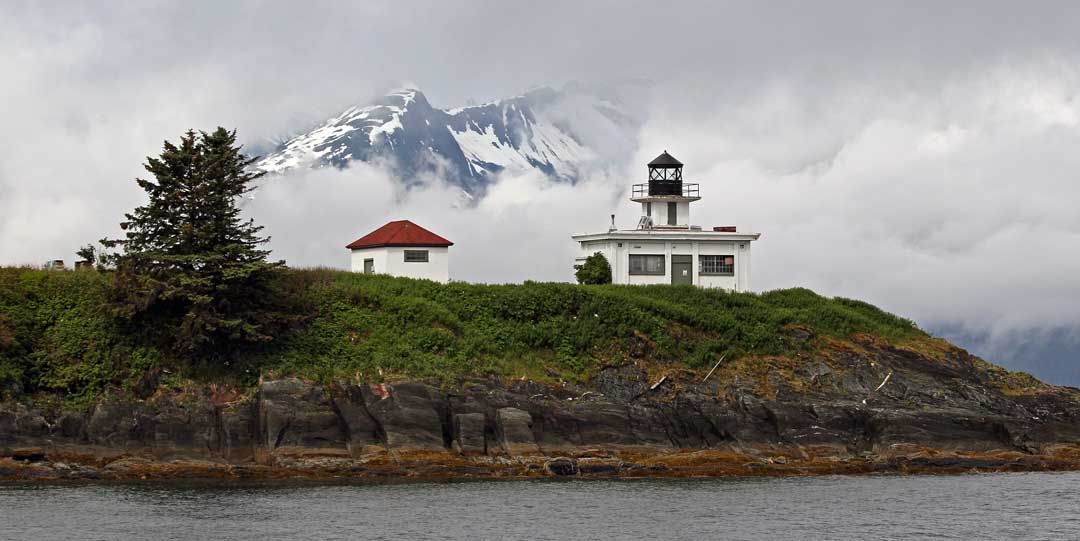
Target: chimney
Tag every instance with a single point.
(612, 228)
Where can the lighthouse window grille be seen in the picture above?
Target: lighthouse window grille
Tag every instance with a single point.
(416, 256)
(647, 264)
(717, 264)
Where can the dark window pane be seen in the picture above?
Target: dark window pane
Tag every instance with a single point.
(416, 256)
(647, 264)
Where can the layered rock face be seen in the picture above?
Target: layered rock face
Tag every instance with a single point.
(866, 407)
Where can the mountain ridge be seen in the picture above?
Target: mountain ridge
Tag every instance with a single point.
(468, 146)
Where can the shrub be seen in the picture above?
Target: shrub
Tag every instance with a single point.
(595, 271)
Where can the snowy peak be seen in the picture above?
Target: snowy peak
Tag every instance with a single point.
(466, 145)
(510, 134)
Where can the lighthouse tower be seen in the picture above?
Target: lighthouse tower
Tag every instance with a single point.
(664, 247)
(665, 199)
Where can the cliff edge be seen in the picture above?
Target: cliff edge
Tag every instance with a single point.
(404, 379)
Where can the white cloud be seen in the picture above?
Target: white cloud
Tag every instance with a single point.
(923, 160)
(519, 231)
(953, 205)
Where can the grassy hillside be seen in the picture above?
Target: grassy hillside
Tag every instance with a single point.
(56, 338)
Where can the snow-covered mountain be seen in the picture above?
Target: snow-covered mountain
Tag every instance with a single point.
(558, 132)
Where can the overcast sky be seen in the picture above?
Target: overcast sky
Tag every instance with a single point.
(921, 156)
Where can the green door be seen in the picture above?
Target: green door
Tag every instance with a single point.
(682, 268)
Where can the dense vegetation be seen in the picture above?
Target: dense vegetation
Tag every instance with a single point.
(595, 270)
(55, 338)
(192, 272)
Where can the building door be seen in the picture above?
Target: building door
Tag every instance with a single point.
(369, 266)
(682, 268)
(672, 213)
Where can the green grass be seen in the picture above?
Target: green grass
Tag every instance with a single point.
(55, 337)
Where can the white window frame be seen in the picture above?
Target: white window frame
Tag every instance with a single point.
(713, 265)
(643, 271)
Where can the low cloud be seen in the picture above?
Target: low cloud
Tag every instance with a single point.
(951, 203)
(519, 231)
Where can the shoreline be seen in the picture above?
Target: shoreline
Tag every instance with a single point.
(402, 467)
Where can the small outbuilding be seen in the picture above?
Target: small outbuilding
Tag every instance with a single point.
(402, 248)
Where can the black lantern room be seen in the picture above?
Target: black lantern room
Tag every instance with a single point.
(665, 176)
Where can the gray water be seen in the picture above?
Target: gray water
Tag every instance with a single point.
(989, 506)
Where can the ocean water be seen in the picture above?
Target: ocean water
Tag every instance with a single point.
(977, 506)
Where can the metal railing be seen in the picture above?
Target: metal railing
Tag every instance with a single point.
(660, 189)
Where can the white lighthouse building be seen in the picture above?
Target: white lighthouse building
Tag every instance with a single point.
(665, 248)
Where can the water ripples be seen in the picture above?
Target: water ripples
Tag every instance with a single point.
(988, 506)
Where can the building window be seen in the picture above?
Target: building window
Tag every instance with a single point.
(717, 264)
(416, 256)
(369, 266)
(672, 213)
(647, 264)
(648, 208)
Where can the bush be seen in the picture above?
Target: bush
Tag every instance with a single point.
(595, 271)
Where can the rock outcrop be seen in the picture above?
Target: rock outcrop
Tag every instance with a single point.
(297, 418)
(866, 406)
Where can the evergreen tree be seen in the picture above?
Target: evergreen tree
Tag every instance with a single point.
(192, 271)
(87, 253)
(595, 270)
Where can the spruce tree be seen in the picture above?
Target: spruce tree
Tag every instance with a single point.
(192, 271)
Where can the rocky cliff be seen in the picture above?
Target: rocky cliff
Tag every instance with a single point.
(843, 406)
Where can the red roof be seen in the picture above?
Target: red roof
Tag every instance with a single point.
(399, 233)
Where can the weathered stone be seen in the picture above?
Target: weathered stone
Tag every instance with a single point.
(561, 466)
(869, 408)
(184, 425)
(513, 428)
(238, 429)
(407, 414)
(296, 418)
(469, 434)
(798, 334)
(604, 423)
(362, 431)
(21, 423)
(622, 383)
(28, 454)
(598, 466)
(70, 425)
(117, 424)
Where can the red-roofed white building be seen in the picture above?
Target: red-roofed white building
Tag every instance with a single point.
(402, 248)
